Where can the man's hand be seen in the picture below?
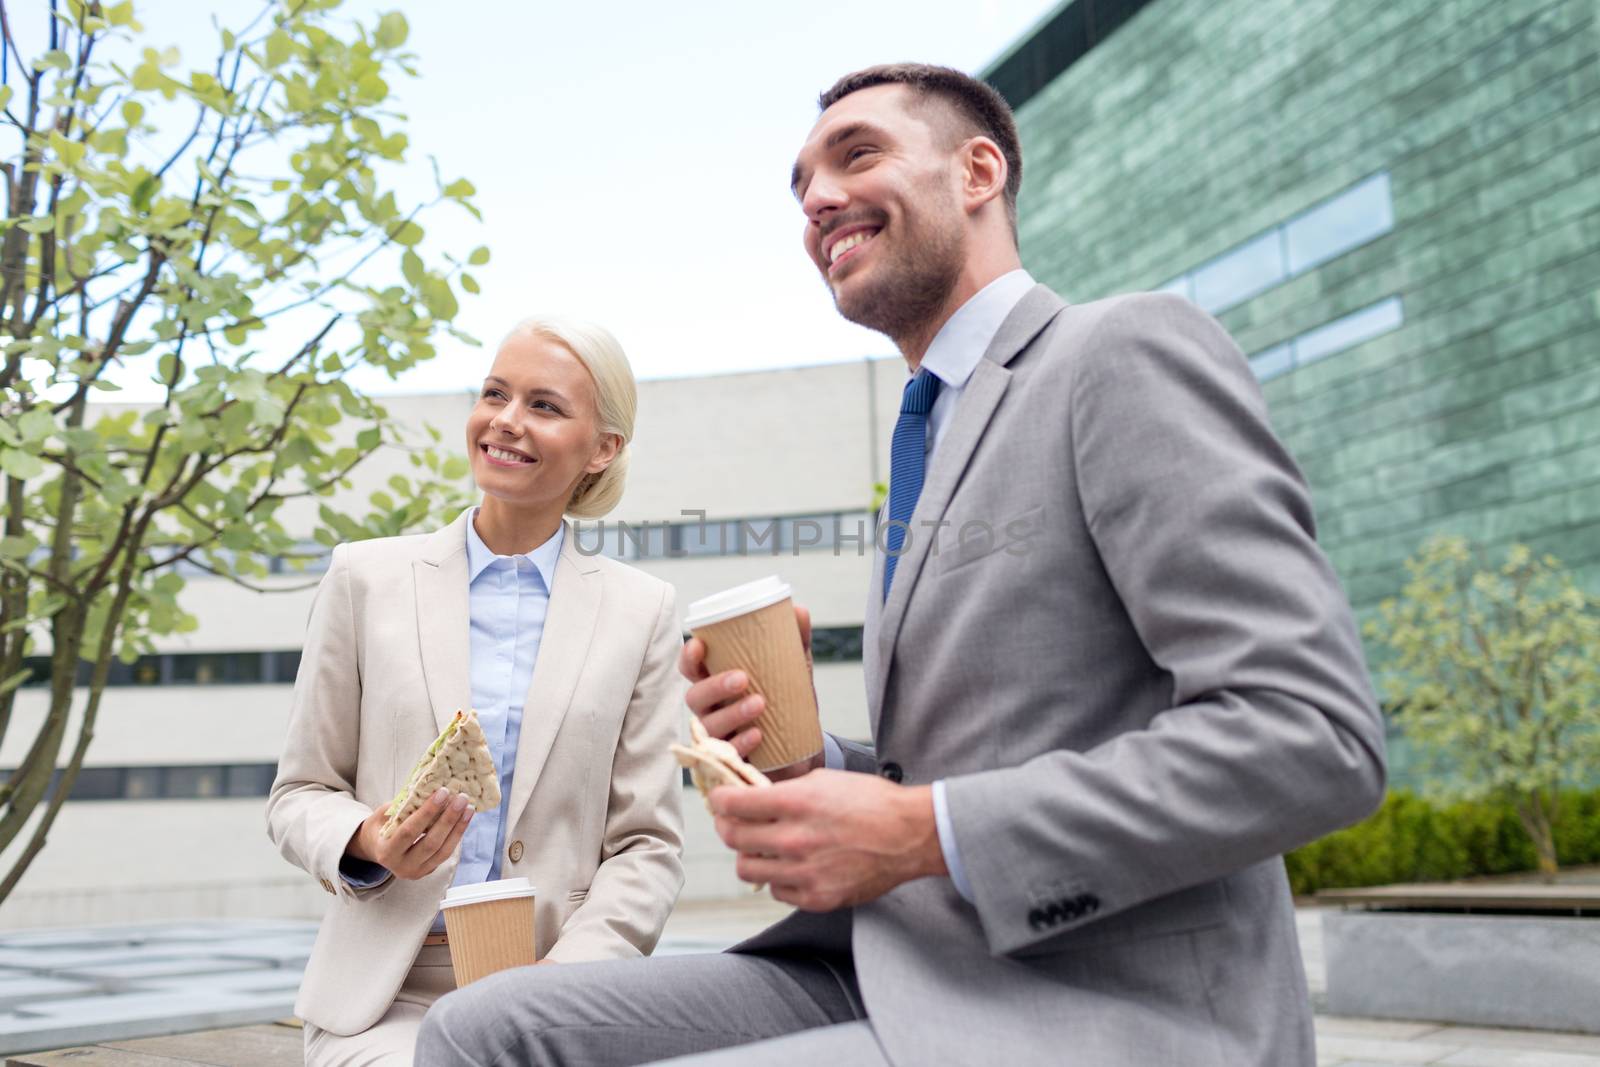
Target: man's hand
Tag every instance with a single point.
(728, 709)
(831, 839)
(426, 838)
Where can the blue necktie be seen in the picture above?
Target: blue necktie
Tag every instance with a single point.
(908, 451)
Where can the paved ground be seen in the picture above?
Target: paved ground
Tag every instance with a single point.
(104, 990)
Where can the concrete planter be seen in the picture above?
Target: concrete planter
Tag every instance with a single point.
(1484, 970)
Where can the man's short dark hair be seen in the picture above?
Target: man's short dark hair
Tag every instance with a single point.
(977, 107)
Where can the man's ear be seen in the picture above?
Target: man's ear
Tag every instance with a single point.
(983, 172)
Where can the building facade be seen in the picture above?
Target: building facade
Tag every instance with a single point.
(1392, 205)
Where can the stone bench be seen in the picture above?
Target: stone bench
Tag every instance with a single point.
(1491, 954)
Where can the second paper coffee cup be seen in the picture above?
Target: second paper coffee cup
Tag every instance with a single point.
(490, 927)
(752, 628)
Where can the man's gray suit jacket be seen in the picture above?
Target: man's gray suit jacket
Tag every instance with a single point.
(1113, 634)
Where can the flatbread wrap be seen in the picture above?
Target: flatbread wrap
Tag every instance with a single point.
(460, 761)
(713, 762)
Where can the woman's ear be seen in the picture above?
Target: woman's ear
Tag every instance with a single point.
(610, 445)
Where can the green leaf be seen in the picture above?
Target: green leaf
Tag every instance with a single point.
(439, 300)
(408, 234)
(392, 30)
(479, 257)
(453, 468)
(460, 188)
(278, 48)
(469, 283)
(53, 60)
(5, 96)
(411, 267)
(228, 40)
(18, 547)
(146, 77)
(68, 151)
(39, 224)
(132, 112)
(36, 424)
(20, 464)
(369, 439)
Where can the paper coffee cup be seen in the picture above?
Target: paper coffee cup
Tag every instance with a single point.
(490, 927)
(752, 628)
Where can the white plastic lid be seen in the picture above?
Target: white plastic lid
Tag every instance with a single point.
(500, 889)
(739, 600)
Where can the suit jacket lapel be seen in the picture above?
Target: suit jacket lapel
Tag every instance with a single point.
(440, 573)
(979, 399)
(569, 627)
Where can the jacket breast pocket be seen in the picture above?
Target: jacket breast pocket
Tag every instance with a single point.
(971, 540)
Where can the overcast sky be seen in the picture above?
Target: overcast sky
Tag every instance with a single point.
(632, 160)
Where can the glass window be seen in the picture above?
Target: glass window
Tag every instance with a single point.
(836, 644)
(307, 557)
(1273, 362)
(285, 665)
(804, 533)
(186, 782)
(1183, 287)
(250, 779)
(705, 538)
(39, 668)
(599, 539)
(142, 783)
(245, 667)
(643, 540)
(1251, 268)
(147, 671)
(1335, 226)
(1348, 331)
(760, 537)
(98, 783)
(205, 668)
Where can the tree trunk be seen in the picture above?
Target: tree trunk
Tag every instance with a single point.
(1535, 819)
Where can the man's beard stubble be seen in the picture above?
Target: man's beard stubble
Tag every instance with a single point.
(910, 288)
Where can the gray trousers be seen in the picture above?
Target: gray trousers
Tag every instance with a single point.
(761, 1009)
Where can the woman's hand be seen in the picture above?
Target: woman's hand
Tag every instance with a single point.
(723, 706)
(426, 838)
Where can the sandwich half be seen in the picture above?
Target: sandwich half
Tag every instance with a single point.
(459, 760)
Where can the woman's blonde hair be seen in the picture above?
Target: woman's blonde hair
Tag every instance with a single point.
(616, 397)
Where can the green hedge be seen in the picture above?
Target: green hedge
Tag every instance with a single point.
(1411, 839)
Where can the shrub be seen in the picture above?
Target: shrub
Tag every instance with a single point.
(1411, 839)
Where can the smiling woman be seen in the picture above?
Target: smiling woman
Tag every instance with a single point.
(594, 794)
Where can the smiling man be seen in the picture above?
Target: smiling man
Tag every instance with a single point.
(1111, 679)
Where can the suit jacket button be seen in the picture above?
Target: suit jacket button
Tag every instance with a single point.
(892, 771)
(515, 852)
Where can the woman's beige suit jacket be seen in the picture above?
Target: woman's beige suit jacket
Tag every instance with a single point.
(593, 817)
